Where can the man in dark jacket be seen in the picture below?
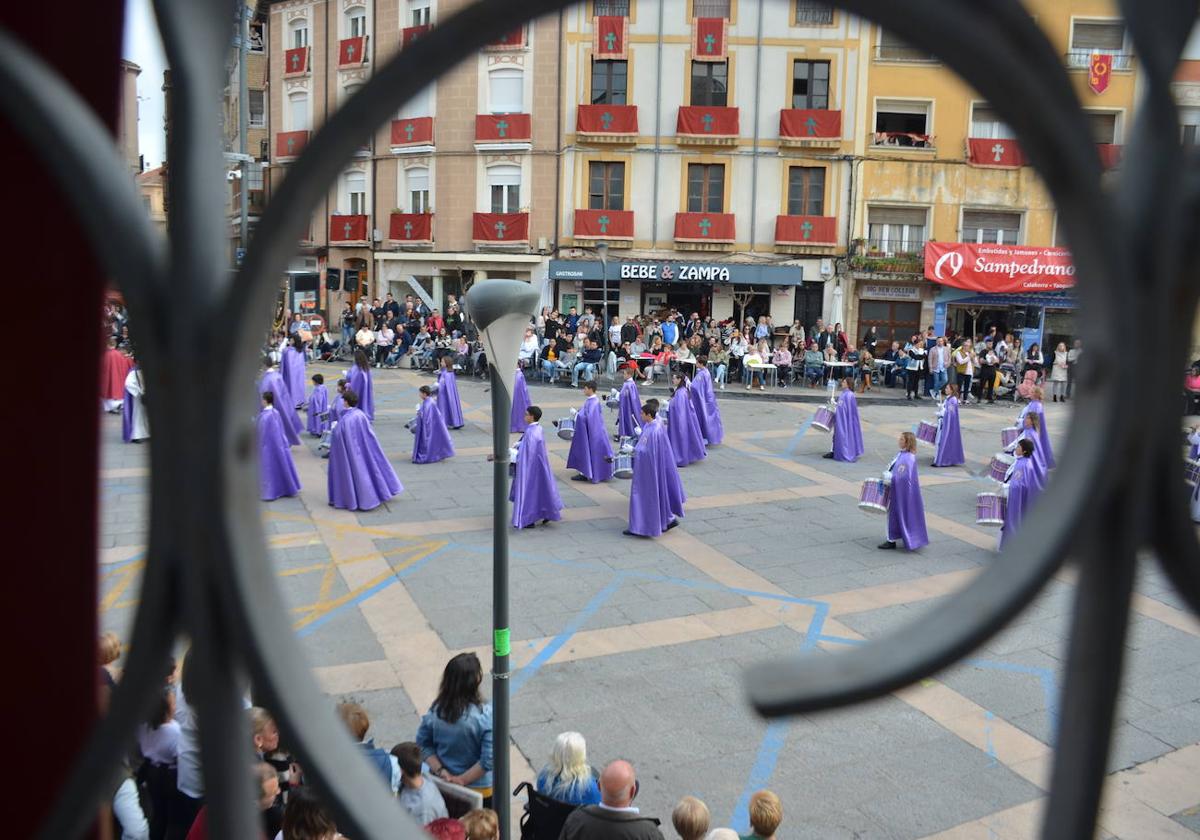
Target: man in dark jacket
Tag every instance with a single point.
(629, 331)
(615, 818)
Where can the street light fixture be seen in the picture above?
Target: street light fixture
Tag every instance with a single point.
(602, 252)
(501, 310)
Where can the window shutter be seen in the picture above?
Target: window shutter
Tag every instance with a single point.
(991, 221)
(897, 216)
(1097, 35)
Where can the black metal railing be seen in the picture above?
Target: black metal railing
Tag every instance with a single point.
(809, 13)
(1082, 59)
(610, 8)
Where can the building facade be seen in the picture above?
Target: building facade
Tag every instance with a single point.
(127, 118)
(247, 174)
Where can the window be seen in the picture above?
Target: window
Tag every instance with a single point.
(506, 91)
(710, 8)
(298, 33)
(806, 191)
(356, 192)
(896, 230)
(1104, 126)
(420, 105)
(252, 174)
(418, 189)
(893, 48)
(298, 111)
(418, 12)
(810, 12)
(606, 186)
(987, 125)
(706, 188)
(504, 183)
(810, 84)
(356, 22)
(1097, 36)
(610, 8)
(258, 36)
(984, 227)
(258, 108)
(1189, 129)
(350, 90)
(609, 82)
(710, 83)
(901, 122)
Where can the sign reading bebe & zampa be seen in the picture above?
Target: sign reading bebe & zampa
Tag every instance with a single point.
(999, 268)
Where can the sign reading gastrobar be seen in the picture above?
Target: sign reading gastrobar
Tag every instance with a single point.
(999, 268)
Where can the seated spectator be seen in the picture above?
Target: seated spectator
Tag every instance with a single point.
(663, 354)
(616, 817)
(753, 362)
(384, 339)
(690, 818)
(327, 345)
(637, 347)
(719, 356)
(265, 736)
(567, 777)
(356, 720)
(365, 338)
(766, 813)
(866, 368)
(446, 829)
(422, 349)
(782, 359)
(587, 362)
(529, 347)
(455, 735)
(399, 349)
(814, 367)
(1191, 385)
(481, 824)
(419, 795)
(307, 819)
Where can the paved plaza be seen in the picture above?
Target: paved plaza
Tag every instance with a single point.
(640, 644)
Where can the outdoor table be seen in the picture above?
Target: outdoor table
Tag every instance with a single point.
(833, 366)
(765, 368)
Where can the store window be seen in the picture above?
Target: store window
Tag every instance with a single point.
(806, 191)
(706, 188)
(896, 230)
(987, 125)
(892, 320)
(609, 82)
(710, 83)
(810, 84)
(985, 227)
(504, 186)
(606, 185)
(506, 91)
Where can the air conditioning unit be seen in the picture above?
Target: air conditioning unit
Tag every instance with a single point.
(826, 267)
(543, 244)
(376, 235)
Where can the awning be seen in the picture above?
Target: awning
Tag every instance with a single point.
(1052, 300)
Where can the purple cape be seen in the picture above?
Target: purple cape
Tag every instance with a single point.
(273, 382)
(431, 442)
(337, 409)
(318, 404)
(291, 367)
(534, 494)
(520, 403)
(949, 440)
(448, 401)
(127, 414)
(276, 470)
(360, 477)
(847, 431)
(656, 496)
(906, 513)
(1043, 439)
(359, 381)
(705, 403)
(629, 412)
(591, 453)
(1037, 467)
(1023, 488)
(683, 429)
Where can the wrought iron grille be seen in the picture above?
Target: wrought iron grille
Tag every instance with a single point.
(206, 572)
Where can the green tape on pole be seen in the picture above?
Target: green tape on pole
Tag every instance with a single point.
(500, 642)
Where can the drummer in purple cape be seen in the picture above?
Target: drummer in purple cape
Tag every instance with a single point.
(135, 425)
(591, 453)
(431, 438)
(948, 444)
(847, 430)
(337, 406)
(291, 367)
(1029, 431)
(317, 407)
(656, 497)
(704, 401)
(1045, 452)
(358, 380)
(520, 404)
(1020, 489)
(534, 493)
(272, 381)
(277, 474)
(360, 477)
(447, 395)
(906, 512)
(630, 408)
(683, 428)
(1194, 443)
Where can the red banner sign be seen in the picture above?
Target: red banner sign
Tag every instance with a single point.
(295, 61)
(604, 224)
(412, 33)
(1099, 71)
(810, 124)
(999, 154)
(704, 227)
(708, 39)
(806, 230)
(415, 132)
(352, 52)
(503, 128)
(411, 227)
(607, 119)
(609, 36)
(500, 228)
(1110, 154)
(706, 121)
(289, 144)
(999, 268)
(347, 228)
(516, 38)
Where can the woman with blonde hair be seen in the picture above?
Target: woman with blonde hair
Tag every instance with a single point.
(568, 777)
(481, 824)
(906, 511)
(1058, 374)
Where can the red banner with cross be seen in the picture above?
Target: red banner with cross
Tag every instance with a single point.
(415, 132)
(816, 124)
(516, 38)
(708, 39)
(806, 230)
(604, 224)
(410, 227)
(412, 33)
(288, 144)
(707, 121)
(704, 227)
(500, 227)
(295, 61)
(998, 154)
(347, 228)
(352, 52)
(503, 128)
(607, 119)
(999, 268)
(1099, 72)
(609, 37)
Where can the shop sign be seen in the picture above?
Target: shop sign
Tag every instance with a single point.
(999, 268)
(668, 271)
(873, 292)
(686, 272)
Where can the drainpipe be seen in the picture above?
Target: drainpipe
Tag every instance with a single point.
(757, 103)
(657, 130)
(325, 119)
(558, 141)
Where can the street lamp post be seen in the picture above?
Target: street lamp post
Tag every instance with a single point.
(602, 252)
(500, 309)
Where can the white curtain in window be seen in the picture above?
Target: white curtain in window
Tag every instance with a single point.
(506, 91)
(356, 22)
(298, 111)
(298, 33)
(356, 192)
(420, 105)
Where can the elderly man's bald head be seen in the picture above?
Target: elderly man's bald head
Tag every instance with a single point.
(618, 784)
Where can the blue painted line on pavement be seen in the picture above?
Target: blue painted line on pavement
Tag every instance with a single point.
(112, 567)
(989, 745)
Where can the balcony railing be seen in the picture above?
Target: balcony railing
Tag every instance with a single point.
(710, 8)
(610, 8)
(809, 13)
(903, 52)
(1082, 59)
(896, 248)
(902, 139)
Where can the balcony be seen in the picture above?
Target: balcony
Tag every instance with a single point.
(296, 61)
(994, 154)
(801, 233)
(289, 145)
(901, 140)
(1082, 60)
(890, 257)
(707, 125)
(1110, 154)
(710, 8)
(904, 53)
(809, 13)
(612, 226)
(610, 8)
(810, 128)
(511, 41)
(412, 136)
(607, 123)
(352, 52)
(502, 132)
(410, 229)
(349, 230)
(704, 231)
(412, 33)
(500, 229)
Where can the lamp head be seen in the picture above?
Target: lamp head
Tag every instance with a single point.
(501, 310)
(602, 250)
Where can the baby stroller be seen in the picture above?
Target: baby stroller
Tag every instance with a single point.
(1025, 389)
(1006, 388)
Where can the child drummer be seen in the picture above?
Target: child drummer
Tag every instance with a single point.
(906, 511)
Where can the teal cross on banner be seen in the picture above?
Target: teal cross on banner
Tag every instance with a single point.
(610, 40)
(408, 131)
(810, 126)
(710, 41)
(704, 225)
(408, 230)
(603, 222)
(707, 119)
(346, 230)
(500, 229)
(807, 228)
(291, 144)
(606, 120)
(295, 61)
(502, 127)
(350, 52)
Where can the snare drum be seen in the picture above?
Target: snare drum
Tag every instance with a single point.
(623, 465)
(434, 387)
(823, 419)
(411, 425)
(512, 462)
(1001, 461)
(927, 431)
(566, 427)
(989, 509)
(1008, 436)
(614, 399)
(664, 412)
(1191, 472)
(875, 496)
